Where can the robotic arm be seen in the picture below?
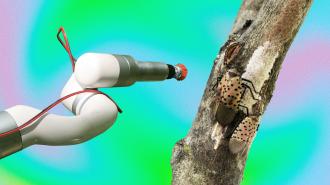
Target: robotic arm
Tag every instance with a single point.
(94, 112)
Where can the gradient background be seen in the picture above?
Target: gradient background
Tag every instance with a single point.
(292, 146)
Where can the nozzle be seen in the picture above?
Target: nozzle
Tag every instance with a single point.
(179, 72)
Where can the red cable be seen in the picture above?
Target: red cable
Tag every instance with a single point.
(49, 108)
(45, 111)
(66, 45)
(29, 122)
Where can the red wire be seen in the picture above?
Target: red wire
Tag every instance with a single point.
(45, 111)
(29, 122)
(66, 45)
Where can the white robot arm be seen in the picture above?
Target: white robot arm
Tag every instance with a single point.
(94, 112)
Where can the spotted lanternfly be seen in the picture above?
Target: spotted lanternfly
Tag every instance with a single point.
(244, 134)
(231, 52)
(232, 89)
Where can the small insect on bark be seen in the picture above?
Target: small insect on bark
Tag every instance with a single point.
(232, 51)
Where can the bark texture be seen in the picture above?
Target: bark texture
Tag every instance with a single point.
(262, 33)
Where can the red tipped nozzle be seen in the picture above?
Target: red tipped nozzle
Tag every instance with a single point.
(183, 72)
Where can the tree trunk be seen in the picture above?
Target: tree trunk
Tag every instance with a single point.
(255, 50)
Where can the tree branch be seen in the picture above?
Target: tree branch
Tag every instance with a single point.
(213, 152)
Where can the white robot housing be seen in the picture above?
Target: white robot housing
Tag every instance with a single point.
(93, 113)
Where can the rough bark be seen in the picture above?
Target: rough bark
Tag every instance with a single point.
(264, 31)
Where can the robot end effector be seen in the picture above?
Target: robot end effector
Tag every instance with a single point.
(94, 70)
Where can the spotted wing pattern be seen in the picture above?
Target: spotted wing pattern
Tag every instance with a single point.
(230, 89)
(243, 134)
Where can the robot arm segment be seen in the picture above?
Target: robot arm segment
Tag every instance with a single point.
(95, 113)
(94, 70)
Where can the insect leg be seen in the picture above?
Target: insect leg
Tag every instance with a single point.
(251, 83)
(248, 87)
(217, 82)
(246, 108)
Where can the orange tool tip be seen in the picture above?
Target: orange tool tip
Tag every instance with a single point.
(184, 71)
